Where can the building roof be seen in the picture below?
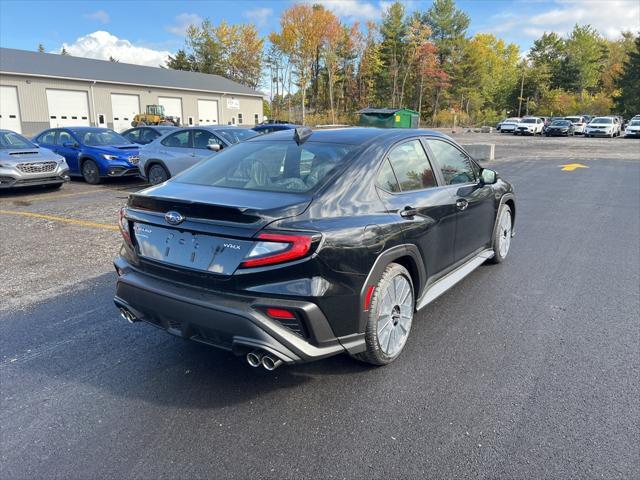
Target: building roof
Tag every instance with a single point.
(385, 111)
(23, 62)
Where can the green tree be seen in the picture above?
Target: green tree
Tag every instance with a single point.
(63, 51)
(182, 61)
(628, 100)
(586, 53)
(369, 68)
(41, 48)
(392, 52)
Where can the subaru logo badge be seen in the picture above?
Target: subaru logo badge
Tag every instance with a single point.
(173, 218)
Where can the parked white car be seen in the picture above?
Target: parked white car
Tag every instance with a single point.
(633, 128)
(509, 125)
(579, 123)
(529, 126)
(602, 127)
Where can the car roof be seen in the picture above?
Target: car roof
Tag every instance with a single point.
(351, 135)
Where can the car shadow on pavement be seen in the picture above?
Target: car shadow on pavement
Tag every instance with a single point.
(79, 339)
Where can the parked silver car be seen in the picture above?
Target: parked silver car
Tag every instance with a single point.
(178, 150)
(23, 163)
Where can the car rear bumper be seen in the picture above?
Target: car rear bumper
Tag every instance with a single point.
(232, 322)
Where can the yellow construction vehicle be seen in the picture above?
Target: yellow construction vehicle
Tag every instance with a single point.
(154, 116)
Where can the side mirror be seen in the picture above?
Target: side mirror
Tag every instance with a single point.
(70, 145)
(214, 147)
(488, 176)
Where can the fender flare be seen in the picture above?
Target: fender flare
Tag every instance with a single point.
(503, 200)
(149, 163)
(381, 262)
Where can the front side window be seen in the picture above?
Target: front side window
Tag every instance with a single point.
(47, 137)
(411, 166)
(148, 135)
(456, 167)
(202, 139)
(269, 166)
(64, 137)
(177, 140)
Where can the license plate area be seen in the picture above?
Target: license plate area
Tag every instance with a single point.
(196, 251)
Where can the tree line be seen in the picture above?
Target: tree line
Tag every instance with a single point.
(319, 69)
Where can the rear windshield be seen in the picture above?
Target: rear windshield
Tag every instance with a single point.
(236, 135)
(98, 137)
(10, 140)
(269, 166)
(602, 120)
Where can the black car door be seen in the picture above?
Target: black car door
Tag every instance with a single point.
(408, 186)
(474, 201)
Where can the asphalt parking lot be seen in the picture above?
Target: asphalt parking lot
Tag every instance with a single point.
(528, 369)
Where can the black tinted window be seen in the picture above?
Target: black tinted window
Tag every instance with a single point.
(411, 166)
(178, 139)
(456, 167)
(387, 179)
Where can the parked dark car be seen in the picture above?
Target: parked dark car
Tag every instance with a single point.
(144, 135)
(92, 153)
(562, 128)
(274, 127)
(300, 245)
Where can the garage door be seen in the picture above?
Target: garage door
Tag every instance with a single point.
(172, 106)
(207, 112)
(68, 108)
(9, 110)
(124, 108)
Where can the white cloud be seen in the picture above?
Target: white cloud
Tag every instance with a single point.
(101, 45)
(258, 16)
(355, 9)
(609, 17)
(184, 21)
(99, 16)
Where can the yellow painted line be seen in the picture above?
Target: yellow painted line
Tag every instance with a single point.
(570, 167)
(55, 218)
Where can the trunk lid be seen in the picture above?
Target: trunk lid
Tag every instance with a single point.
(214, 229)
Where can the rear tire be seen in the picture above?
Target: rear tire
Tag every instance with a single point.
(157, 174)
(502, 234)
(91, 172)
(391, 314)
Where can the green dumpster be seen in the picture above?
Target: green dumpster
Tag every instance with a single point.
(389, 118)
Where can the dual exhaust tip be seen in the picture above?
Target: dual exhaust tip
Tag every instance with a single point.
(127, 315)
(268, 361)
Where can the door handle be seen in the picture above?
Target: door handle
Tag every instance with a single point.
(461, 204)
(408, 212)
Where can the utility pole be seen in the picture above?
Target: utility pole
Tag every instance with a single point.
(521, 92)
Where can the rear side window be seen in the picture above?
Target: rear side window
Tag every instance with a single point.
(411, 166)
(133, 135)
(147, 136)
(48, 137)
(387, 179)
(178, 140)
(456, 167)
(270, 166)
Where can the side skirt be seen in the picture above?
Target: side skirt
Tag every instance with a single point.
(449, 280)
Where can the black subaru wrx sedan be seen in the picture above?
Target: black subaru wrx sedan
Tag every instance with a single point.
(299, 245)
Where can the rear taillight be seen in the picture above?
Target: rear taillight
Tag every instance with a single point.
(280, 314)
(274, 248)
(123, 223)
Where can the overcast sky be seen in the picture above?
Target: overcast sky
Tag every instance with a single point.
(145, 32)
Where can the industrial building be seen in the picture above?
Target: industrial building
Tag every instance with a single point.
(42, 90)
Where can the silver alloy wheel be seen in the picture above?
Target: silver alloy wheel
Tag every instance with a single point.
(395, 316)
(504, 231)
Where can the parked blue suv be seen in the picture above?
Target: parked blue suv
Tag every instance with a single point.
(93, 153)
